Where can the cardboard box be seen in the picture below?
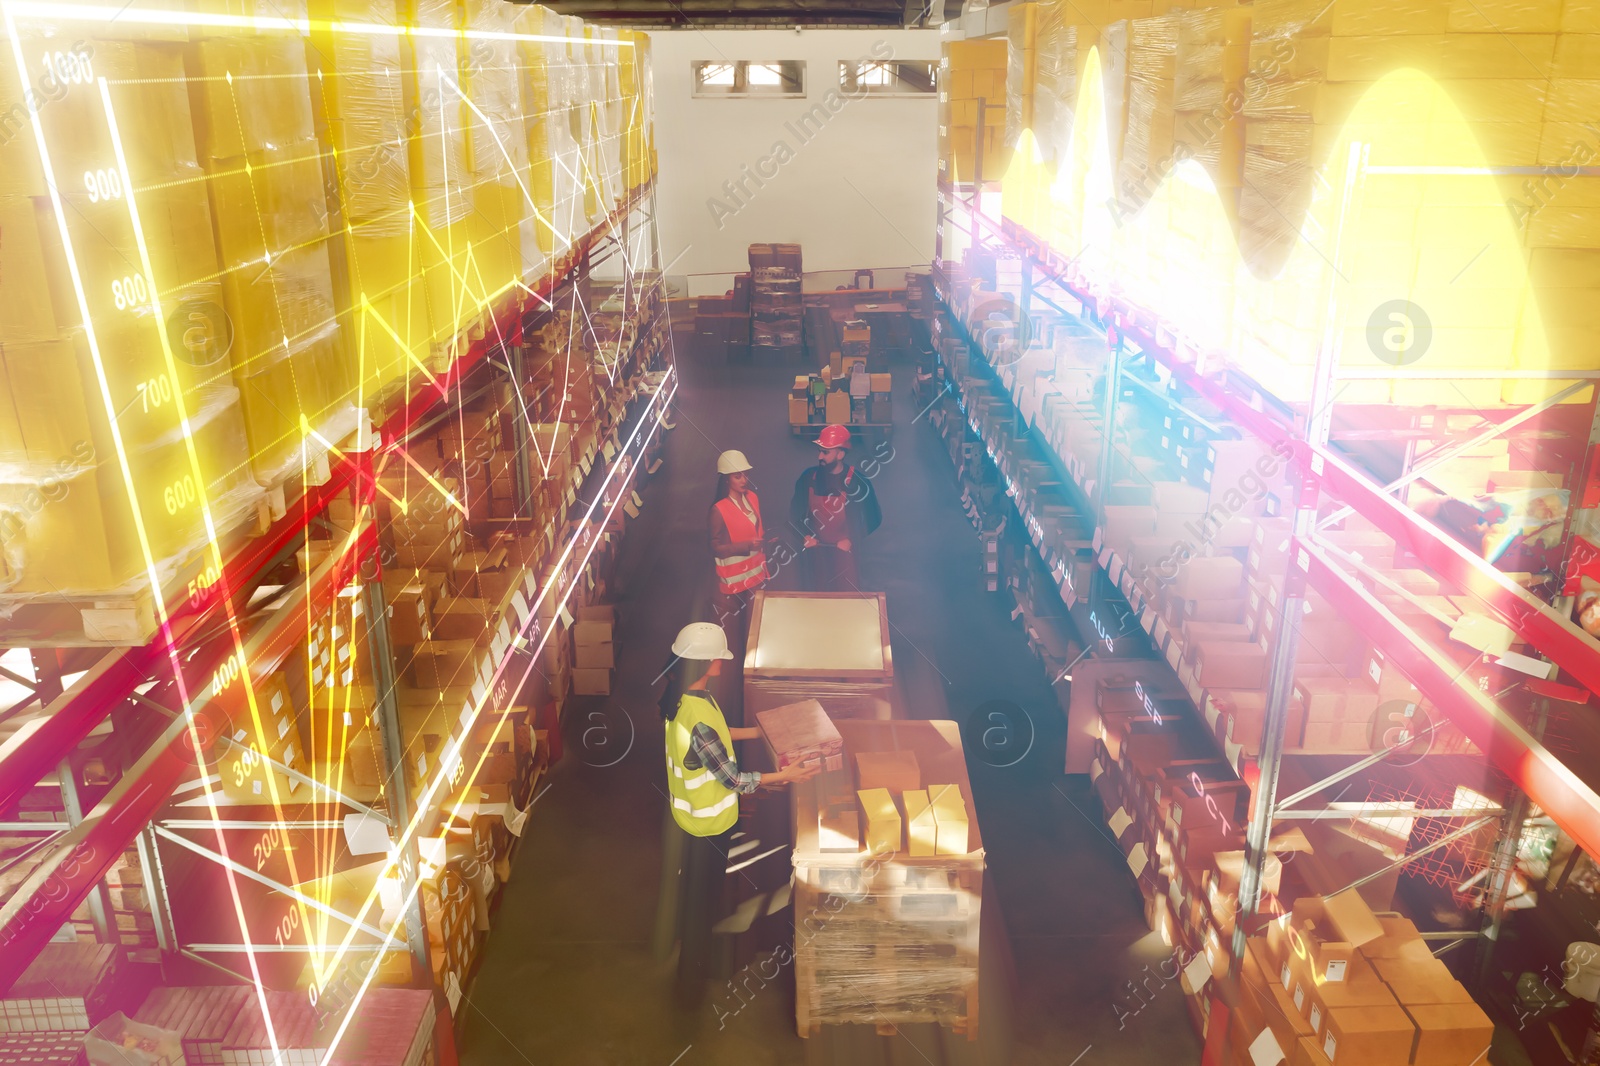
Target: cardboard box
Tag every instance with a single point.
(594, 624)
(1400, 940)
(950, 819)
(921, 830)
(1421, 982)
(802, 732)
(882, 820)
(591, 682)
(1449, 1034)
(594, 656)
(1208, 577)
(1371, 1036)
(896, 771)
(1230, 664)
(799, 410)
(462, 618)
(839, 829)
(837, 410)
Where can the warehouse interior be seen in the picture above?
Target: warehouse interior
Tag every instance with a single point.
(800, 531)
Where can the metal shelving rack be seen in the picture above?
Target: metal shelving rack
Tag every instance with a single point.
(71, 861)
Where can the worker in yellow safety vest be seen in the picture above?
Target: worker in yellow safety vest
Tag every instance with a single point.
(704, 783)
(738, 546)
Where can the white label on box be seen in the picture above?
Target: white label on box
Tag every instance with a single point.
(566, 616)
(1374, 670)
(255, 786)
(1283, 975)
(1330, 1046)
(1099, 534)
(347, 722)
(1212, 714)
(1197, 973)
(1264, 1050)
(1138, 859)
(1336, 969)
(466, 713)
(1119, 822)
(283, 727)
(277, 702)
(1299, 997)
(422, 766)
(1316, 1018)
(1303, 560)
(452, 991)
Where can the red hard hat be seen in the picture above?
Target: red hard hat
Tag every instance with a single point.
(834, 437)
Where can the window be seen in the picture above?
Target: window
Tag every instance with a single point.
(888, 78)
(779, 77)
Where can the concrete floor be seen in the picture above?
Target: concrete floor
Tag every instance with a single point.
(569, 977)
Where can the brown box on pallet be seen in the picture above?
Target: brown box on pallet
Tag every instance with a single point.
(1449, 1034)
(1269, 549)
(1337, 699)
(1400, 940)
(440, 663)
(1209, 576)
(460, 618)
(1230, 664)
(1421, 980)
(590, 681)
(838, 408)
(896, 771)
(1371, 1036)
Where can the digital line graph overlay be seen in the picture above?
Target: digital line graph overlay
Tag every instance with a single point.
(496, 211)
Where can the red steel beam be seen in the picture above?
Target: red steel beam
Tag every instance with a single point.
(84, 855)
(32, 754)
(1569, 647)
(1548, 782)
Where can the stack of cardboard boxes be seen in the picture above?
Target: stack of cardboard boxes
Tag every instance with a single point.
(974, 89)
(1332, 982)
(776, 302)
(594, 654)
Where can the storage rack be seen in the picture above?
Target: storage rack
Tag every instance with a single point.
(112, 841)
(1503, 708)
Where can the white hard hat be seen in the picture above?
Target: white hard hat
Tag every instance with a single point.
(732, 463)
(701, 640)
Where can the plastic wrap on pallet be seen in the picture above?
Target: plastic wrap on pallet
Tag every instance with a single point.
(1055, 91)
(367, 116)
(66, 526)
(1147, 143)
(440, 176)
(879, 942)
(1021, 59)
(497, 147)
(266, 182)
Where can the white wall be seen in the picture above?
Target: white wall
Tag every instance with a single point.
(859, 192)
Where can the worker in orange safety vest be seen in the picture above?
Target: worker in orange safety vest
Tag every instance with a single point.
(738, 546)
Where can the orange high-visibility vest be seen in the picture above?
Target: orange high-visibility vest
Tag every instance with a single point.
(739, 572)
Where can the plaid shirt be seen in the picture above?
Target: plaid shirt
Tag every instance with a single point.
(706, 750)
